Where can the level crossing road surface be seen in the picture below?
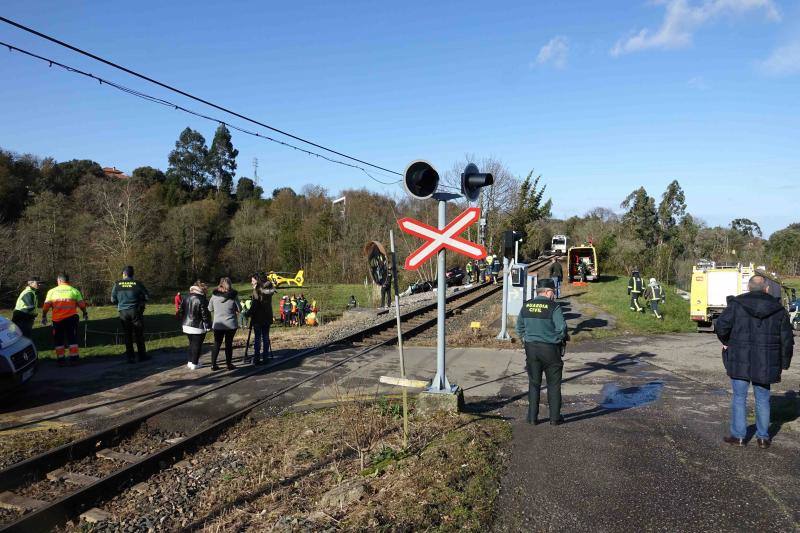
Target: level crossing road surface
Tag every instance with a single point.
(641, 448)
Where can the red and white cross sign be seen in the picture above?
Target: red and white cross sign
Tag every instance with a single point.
(444, 238)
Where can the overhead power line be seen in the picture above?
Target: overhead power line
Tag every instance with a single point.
(189, 95)
(167, 103)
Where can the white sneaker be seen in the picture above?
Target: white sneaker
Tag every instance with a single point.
(190, 365)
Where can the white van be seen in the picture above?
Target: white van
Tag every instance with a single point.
(18, 356)
(559, 244)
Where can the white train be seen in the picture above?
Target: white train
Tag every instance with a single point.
(559, 244)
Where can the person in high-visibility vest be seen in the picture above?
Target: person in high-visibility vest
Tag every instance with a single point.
(27, 307)
(469, 267)
(635, 289)
(655, 295)
(64, 300)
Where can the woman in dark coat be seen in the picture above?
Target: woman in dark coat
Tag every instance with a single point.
(260, 315)
(196, 321)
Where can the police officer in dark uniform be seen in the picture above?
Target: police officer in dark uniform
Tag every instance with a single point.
(130, 297)
(543, 330)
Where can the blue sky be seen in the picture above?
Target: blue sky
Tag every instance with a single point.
(598, 97)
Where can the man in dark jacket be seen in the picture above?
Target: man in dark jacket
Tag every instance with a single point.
(557, 274)
(543, 330)
(635, 289)
(757, 343)
(130, 297)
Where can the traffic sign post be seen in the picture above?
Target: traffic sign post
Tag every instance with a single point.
(438, 241)
(421, 181)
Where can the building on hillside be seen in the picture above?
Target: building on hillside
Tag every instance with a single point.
(114, 172)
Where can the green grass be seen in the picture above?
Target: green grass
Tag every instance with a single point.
(611, 294)
(102, 334)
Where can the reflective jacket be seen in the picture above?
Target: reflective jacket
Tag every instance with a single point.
(64, 300)
(656, 294)
(635, 285)
(28, 302)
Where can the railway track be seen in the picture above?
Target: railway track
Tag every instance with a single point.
(56, 486)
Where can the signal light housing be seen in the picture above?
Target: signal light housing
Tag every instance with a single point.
(472, 180)
(421, 179)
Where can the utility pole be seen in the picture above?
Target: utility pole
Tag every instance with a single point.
(255, 171)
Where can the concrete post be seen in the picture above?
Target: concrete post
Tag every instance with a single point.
(503, 335)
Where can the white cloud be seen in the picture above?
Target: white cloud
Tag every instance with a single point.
(783, 61)
(554, 52)
(683, 18)
(697, 82)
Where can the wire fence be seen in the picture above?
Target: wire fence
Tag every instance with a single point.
(119, 336)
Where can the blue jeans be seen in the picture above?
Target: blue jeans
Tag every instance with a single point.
(261, 333)
(739, 409)
(557, 283)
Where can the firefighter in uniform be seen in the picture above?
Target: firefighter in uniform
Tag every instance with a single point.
(655, 295)
(64, 300)
(635, 289)
(469, 267)
(543, 330)
(130, 297)
(27, 307)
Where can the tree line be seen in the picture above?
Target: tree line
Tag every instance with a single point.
(198, 220)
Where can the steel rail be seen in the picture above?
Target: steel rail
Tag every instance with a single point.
(71, 504)
(36, 467)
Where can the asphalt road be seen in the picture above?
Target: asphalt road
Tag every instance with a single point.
(645, 454)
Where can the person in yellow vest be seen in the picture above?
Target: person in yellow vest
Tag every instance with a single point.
(64, 300)
(27, 307)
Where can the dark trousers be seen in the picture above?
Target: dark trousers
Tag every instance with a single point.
(195, 346)
(261, 344)
(386, 294)
(635, 302)
(542, 357)
(219, 336)
(24, 322)
(133, 327)
(65, 333)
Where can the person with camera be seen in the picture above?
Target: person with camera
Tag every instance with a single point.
(260, 315)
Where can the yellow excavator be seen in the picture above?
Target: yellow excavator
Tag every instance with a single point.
(278, 280)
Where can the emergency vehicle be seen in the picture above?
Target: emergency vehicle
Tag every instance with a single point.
(584, 254)
(18, 356)
(713, 283)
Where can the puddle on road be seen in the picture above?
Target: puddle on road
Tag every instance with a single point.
(614, 397)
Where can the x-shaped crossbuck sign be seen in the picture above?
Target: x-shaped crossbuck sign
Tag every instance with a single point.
(442, 238)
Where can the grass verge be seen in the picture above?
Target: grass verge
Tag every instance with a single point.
(101, 335)
(300, 472)
(611, 295)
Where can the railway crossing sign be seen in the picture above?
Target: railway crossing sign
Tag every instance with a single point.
(446, 238)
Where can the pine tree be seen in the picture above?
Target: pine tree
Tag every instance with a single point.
(529, 206)
(642, 217)
(188, 161)
(671, 210)
(222, 160)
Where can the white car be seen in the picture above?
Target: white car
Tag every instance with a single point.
(18, 356)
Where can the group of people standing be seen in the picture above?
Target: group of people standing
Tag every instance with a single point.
(220, 314)
(484, 270)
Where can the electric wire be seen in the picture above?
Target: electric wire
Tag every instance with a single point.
(177, 107)
(186, 94)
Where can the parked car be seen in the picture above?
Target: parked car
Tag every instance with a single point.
(18, 357)
(794, 314)
(455, 276)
